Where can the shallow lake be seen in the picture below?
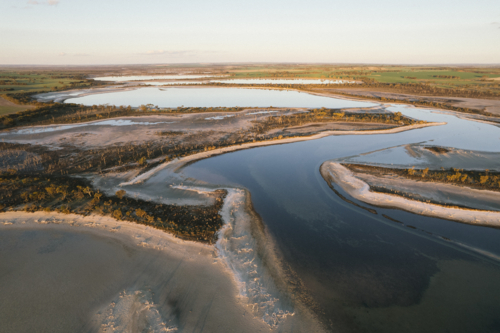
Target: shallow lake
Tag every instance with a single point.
(281, 81)
(151, 77)
(245, 81)
(215, 97)
(370, 269)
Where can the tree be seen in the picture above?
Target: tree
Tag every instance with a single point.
(120, 194)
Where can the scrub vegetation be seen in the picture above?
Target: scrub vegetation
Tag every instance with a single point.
(333, 115)
(34, 177)
(486, 180)
(67, 113)
(75, 195)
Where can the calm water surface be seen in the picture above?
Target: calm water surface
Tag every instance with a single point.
(151, 77)
(281, 81)
(214, 97)
(372, 271)
(249, 81)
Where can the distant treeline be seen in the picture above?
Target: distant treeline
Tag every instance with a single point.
(447, 76)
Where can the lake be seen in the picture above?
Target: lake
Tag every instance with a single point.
(214, 97)
(371, 269)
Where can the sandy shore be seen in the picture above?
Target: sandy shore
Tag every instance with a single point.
(98, 274)
(62, 96)
(335, 172)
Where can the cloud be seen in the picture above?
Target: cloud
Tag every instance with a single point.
(48, 2)
(183, 53)
(64, 54)
(155, 52)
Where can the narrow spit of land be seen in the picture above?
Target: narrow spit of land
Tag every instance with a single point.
(336, 173)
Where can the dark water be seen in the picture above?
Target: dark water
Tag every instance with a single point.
(382, 270)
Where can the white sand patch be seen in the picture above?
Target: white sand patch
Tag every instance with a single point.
(248, 252)
(335, 172)
(109, 122)
(133, 311)
(238, 248)
(220, 117)
(261, 112)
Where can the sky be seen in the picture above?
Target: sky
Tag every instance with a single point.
(81, 32)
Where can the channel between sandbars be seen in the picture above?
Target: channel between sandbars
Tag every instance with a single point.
(177, 164)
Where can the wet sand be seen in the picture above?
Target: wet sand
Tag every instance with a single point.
(69, 273)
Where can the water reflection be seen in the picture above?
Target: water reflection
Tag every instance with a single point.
(215, 97)
(372, 269)
(281, 81)
(151, 77)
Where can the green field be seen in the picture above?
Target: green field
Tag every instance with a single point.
(481, 78)
(26, 81)
(11, 109)
(456, 81)
(11, 82)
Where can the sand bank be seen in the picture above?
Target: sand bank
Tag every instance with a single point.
(440, 193)
(335, 172)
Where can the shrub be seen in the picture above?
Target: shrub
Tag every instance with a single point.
(140, 213)
(117, 214)
(120, 193)
(484, 179)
